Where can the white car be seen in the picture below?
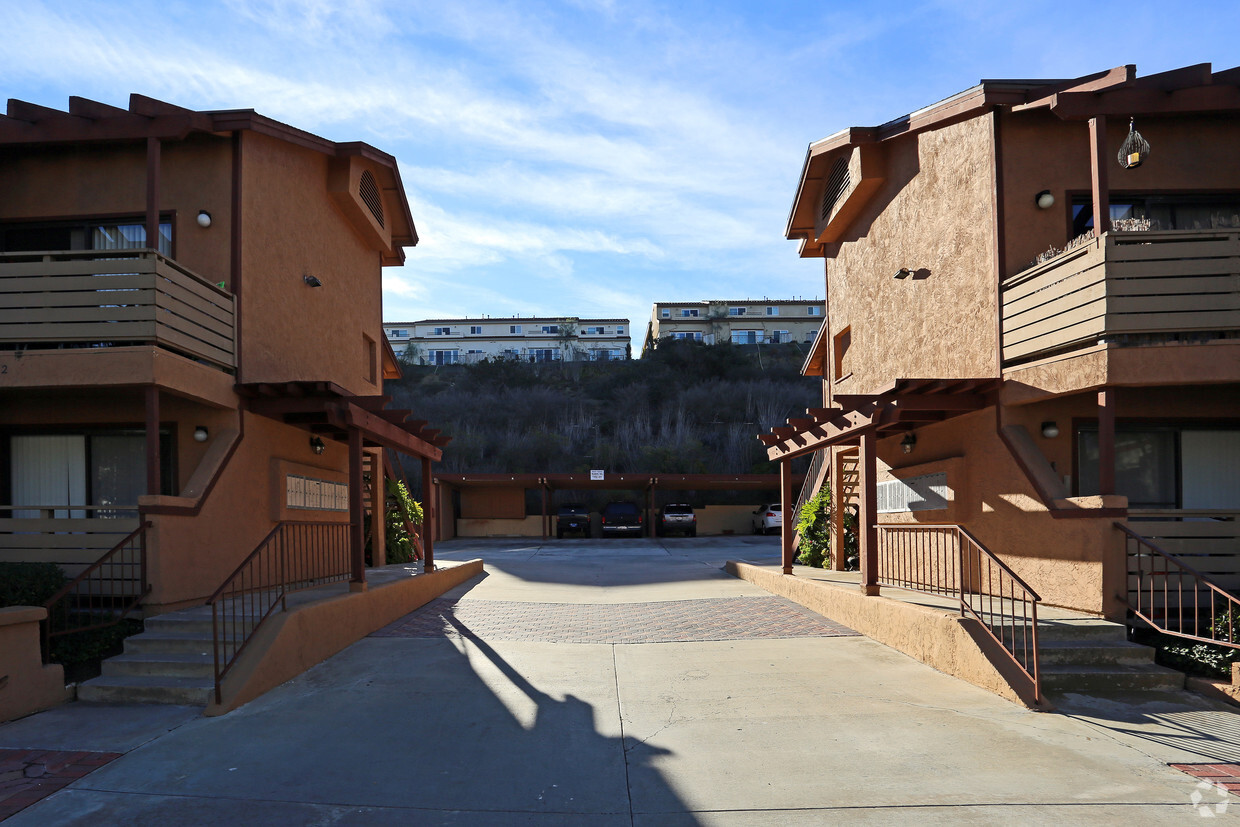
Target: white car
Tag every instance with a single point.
(767, 519)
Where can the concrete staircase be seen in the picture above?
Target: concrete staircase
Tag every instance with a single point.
(171, 662)
(1094, 657)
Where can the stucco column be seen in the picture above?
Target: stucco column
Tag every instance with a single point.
(153, 471)
(430, 513)
(1106, 441)
(1098, 174)
(788, 520)
(867, 529)
(357, 537)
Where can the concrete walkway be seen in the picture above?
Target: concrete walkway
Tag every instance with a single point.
(631, 682)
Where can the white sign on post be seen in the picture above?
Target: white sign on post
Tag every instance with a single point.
(596, 475)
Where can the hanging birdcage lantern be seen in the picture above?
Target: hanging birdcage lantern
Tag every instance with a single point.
(1135, 149)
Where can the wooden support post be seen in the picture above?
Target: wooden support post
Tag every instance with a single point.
(430, 515)
(378, 507)
(839, 554)
(1106, 441)
(357, 538)
(650, 531)
(153, 164)
(544, 510)
(1098, 174)
(787, 521)
(153, 470)
(867, 527)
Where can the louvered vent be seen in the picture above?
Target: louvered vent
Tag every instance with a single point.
(925, 493)
(368, 189)
(837, 185)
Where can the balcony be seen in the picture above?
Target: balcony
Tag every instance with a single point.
(92, 299)
(1125, 288)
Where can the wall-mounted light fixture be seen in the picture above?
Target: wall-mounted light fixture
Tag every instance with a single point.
(903, 273)
(312, 281)
(906, 444)
(204, 219)
(316, 445)
(1050, 430)
(201, 433)
(1044, 199)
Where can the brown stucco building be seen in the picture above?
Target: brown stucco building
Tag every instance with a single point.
(995, 357)
(191, 344)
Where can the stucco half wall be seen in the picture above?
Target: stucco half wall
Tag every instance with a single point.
(26, 684)
(293, 641)
(952, 644)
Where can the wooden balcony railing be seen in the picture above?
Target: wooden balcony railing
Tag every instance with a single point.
(96, 298)
(1160, 284)
(71, 536)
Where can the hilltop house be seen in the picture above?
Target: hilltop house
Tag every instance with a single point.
(1033, 334)
(742, 322)
(191, 347)
(530, 338)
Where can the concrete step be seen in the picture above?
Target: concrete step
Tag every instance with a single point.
(1085, 628)
(189, 643)
(167, 664)
(1102, 680)
(1094, 652)
(147, 690)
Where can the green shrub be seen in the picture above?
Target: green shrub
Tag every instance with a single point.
(401, 508)
(1208, 659)
(29, 584)
(814, 527)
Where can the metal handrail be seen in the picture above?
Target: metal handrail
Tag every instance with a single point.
(91, 599)
(947, 560)
(292, 557)
(807, 488)
(1144, 604)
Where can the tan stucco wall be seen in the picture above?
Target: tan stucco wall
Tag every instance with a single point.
(291, 331)
(501, 527)
(28, 685)
(933, 214)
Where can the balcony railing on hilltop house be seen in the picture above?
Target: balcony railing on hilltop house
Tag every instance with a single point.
(95, 299)
(1134, 287)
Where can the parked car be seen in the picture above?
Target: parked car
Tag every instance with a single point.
(572, 517)
(767, 519)
(678, 517)
(619, 518)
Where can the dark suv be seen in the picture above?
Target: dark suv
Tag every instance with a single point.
(620, 518)
(572, 517)
(678, 517)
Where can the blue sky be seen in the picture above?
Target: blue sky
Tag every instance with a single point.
(586, 157)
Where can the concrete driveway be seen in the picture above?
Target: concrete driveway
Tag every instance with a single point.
(631, 682)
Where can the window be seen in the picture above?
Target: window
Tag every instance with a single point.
(514, 328)
(772, 311)
(1166, 466)
(544, 354)
(1163, 212)
(619, 330)
(747, 337)
(397, 333)
(689, 312)
(443, 357)
(598, 331)
(125, 234)
(695, 336)
(813, 310)
(665, 313)
(778, 336)
(736, 311)
(606, 354)
(441, 331)
(551, 328)
(475, 330)
(810, 336)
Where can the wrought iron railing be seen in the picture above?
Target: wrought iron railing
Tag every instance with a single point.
(948, 561)
(292, 557)
(1175, 598)
(103, 594)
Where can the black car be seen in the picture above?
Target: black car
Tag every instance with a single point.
(621, 518)
(572, 517)
(678, 517)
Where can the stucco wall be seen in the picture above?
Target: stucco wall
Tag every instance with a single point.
(28, 686)
(932, 215)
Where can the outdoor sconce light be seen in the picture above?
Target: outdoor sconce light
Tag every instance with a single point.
(316, 445)
(312, 281)
(1050, 430)
(906, 444)
(903, 273)
(1044, 199)
(204, 219)
(201, 433)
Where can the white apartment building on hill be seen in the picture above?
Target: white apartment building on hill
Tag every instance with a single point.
(745, 322)
(529, 339)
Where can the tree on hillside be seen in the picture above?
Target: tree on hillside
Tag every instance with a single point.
(566, 335)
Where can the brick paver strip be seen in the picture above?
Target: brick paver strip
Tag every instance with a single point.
(672, 621)
(1223, 776)
(29, 775)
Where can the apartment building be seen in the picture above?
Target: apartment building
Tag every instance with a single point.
(744, 322)
(1033, 351)
(526, 339)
